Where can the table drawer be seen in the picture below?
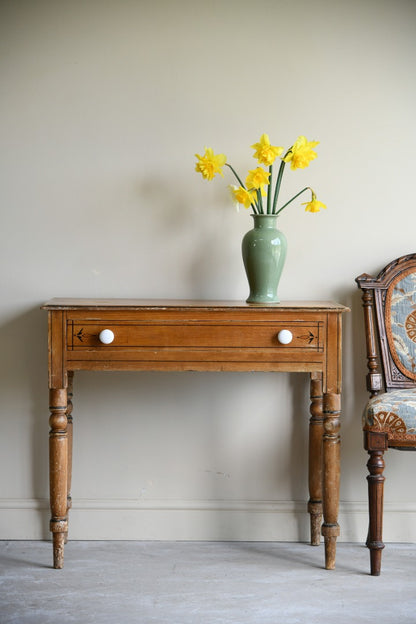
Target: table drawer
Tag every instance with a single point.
(135, 335)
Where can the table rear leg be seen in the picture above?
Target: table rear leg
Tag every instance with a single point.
(70, 438)
(316, 430)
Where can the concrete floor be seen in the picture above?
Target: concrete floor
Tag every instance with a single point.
(204, 583)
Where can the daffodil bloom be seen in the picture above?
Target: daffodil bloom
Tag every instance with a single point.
(313, 206)
(251, 192)
(257, 178)
(209, 164)
(242, 196)
(266, 153)
(301, 153)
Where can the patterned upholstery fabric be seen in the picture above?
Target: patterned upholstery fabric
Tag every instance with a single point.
(392, 412)
(401, 324)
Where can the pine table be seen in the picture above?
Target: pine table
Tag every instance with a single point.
(180, 335)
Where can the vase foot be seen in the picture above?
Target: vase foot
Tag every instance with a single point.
(254, 301)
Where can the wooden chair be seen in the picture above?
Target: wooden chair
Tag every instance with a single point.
(389, 419)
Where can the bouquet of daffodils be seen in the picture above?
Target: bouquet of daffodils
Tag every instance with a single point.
(251, 193)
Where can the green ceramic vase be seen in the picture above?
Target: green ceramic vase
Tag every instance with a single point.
(264, 254)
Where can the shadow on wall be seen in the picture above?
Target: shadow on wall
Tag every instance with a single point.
(298, 467)
(194, 438)
(197, 240)
(24, 397)
(354, 397)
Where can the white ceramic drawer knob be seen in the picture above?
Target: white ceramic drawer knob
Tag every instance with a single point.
(285, 336)
(106, 336)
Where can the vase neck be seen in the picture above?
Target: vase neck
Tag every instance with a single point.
(264, 220)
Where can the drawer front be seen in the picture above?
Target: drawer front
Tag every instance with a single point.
(298, 335)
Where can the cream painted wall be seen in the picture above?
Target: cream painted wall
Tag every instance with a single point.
(104, 104)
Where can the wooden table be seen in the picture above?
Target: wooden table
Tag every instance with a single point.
(157, 335)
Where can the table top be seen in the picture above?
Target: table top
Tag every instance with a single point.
(70, 303)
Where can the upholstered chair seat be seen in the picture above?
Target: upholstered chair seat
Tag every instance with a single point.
(393, 413)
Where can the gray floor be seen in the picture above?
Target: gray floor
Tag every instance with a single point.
(207, 583)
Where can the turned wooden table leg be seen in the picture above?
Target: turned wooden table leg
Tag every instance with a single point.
(331, 475)
(316, 429)
(69, 431)
(58, 472)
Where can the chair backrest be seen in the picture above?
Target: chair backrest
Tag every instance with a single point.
(389, 302)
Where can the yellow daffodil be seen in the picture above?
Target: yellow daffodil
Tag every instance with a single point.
(257, 178)
(266, 153)
(301, 153)
(314, 205)
(242, 196)
(209, 164)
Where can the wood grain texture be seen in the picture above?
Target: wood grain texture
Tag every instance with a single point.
(67, 303)
(153, 335)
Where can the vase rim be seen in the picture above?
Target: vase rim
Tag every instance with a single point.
(263, 215)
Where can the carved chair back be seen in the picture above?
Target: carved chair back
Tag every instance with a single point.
(389, 302)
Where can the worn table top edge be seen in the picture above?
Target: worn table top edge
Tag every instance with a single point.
(71, 303)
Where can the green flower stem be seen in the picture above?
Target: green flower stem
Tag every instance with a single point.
(278, 183)
(255, 208)
(236, 175)
(260, 201)
(307, 188)
(269, 191)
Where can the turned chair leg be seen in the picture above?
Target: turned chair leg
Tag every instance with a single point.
(375, 503)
